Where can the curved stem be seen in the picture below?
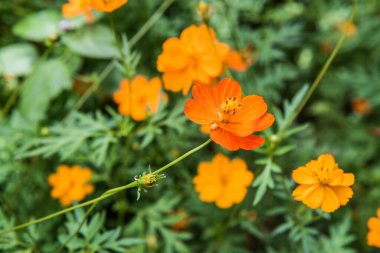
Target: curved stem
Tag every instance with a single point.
(105, 195)
(151, 21)
(321, 73)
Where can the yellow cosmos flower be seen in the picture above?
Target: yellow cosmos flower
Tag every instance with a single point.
(323, 184)
(70, 184)
(223, 181)
(373, 236)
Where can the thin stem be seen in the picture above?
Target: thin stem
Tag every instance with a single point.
(321, 73)
(11, 101)
(151, 21)
(182, 157)
(61, 248)
(93, 87)
(105, 195)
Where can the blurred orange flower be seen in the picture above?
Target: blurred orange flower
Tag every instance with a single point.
(361, 106)
(106, 5)
(231, 117)
(323, 184)
(139, 96)
(373, 236)
(77, 7)
(194, 56)
(223, 181)
(347, 27)
(70, 184)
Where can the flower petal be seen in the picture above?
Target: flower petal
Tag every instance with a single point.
(264, 122)
(302, 175)
(314, 199)
(348, 179)
(233, 142)
(331, 201)
(252, 108)
(227, 88)
(173, 57)
(178, 80)
(198, 113)
(344, 194)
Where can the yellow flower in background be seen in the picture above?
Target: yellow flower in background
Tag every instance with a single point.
(223, 181)
(322, 184)
(139, 96)
(70, 184)
(373, 236)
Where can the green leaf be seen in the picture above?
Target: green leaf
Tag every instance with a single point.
(17, 59)
(45, 83)
(95, 41)
(39, 26)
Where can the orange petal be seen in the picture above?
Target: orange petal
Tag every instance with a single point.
(344, 193)
(106, 5)
(174, 56)
(211, 64)
(327, 161)
(227, 88)
(336, 177)
(302, 175)
(198, 37)
(239, 129)
(198, 113)
(178, 80)
(204, 95)
(264, 122)
(314, 199)
(252, 108)
(331, 201)
(233, 143)
(348, 179)
(235, 61)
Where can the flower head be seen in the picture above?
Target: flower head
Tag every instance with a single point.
(70, 184)
(77, 7)
(232, 118)
(223, 181)
(106, 5)
(240, 60)
(373, 236)
(323, 184)
(193, 57)
(139, 96)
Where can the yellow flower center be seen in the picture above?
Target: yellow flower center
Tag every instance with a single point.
(229, 107)
(323, 175)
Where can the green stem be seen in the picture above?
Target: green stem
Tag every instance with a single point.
(321, 73)
(92, 207)
(105, 195)
(151, 21)
(182, 157)
(11, 101)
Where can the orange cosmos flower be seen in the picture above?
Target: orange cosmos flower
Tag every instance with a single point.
(70, 184)
(231, 117)
(373, 236)
(323, 184)
(223, 181)
(194, 56)
(139, 96)
(77, 7)
(106, 5)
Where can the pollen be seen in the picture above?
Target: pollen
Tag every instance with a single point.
(230, 105)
